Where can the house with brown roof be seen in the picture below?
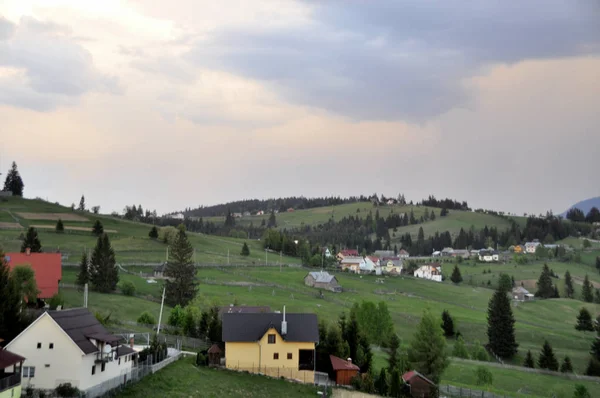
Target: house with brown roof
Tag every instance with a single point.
(70, 346)
(344, 370)
(420, 386)
(10, 373)
(347, 253)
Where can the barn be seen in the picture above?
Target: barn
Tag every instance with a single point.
(322, 280)
(420, 386)
(344, 370)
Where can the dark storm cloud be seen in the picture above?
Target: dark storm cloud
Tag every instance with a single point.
(400, 59)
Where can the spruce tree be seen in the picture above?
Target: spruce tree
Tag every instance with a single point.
(566, 366)
(97, 228)
(272, 220)
(598, 263)
(393, 354)
(504, 282)
(443, 212)
(153, 234)
(10, 303)
(229, 220)
(245, 250)
(544, 284)
(587, 290)
(456, 277)
(14, 182)
(395, 384)
(432, 216)
(83, 276)
(447, 324)
(501, 326)
(547, 360)
(427, 353)
(32, 241)
(81, 204)
(381, 384)
(569, 290)
(584, 320)
(181, 285)
(593, 368)
(104, 274)
(529, 363)
(60, 228)
(597, 296)
(581, 392)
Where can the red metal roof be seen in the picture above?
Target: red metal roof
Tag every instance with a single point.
(47, 268)
(8, 358)
(408, 376)
(350, 252)
(374, 259)
(341, 364)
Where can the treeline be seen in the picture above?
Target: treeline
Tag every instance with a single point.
(577, 215)
(445, 203)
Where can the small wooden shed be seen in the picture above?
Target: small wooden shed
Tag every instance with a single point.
(214, 355)
(420, 386)
(344, 370)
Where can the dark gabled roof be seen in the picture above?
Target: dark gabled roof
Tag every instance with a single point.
(252, 327)
(214, 349)
(123, 350)
(81, 326)
(8, 358)
(244, 309)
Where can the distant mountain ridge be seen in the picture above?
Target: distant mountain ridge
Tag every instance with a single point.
(584, 205)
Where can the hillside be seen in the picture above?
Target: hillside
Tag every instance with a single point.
(584, 205)
(129, 239)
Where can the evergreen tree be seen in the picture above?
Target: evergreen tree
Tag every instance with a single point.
(432, 216)
(427, 353)
(544, 284)
(547, 360)
(501, 326)
(14, 182)
(272, 220)
(381, 384)
(181, 286)
(10, 303)
(245, 250)
(566, 366)
(153, 234)
(460, 350)
(504, 282)
(597, 296)
(32, 241)
(443, 212)
(97, 228)
(598, 263)
(81, 204)
(593, 368)
(393, 355)
(584, 320)
(456, 277)
(569, 290)
(447, 324)
(587, 290)
(529, 363)
(395, 384)
(104, 274)
(83, 276)
(581, 392)
(60, 228)
(229, 220)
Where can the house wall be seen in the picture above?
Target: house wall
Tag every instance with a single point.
(64, 359)
(14, 392)
(253, 356)
(111, 369)
(344, 377)
(309, 280)
(419, 388)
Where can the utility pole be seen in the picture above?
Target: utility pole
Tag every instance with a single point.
(227, 256)
(85, 295)
(162, 303)
(266, 257)
(280, 259)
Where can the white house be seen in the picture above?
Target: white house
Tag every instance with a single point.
(403, 254)
(326, 252)
(70, 346)
(176, 216)
(352, 264)
(488, 256)
(531, 247)
(431, 271)
(368, 265)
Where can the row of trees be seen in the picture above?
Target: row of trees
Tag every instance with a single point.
(100, 270)
(577, 215)
(547, 360)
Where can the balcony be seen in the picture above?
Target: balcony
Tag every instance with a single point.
(9, 380)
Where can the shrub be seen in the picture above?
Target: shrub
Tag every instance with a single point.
(201, 359)
(146, 318)
(167, 234)
(484, 376)
(128, 288)
(55, 301)
(66, 390)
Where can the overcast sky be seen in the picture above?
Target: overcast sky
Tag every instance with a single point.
(188, 102)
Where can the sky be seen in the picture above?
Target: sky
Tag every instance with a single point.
(191, 102)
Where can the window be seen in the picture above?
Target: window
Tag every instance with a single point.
(103, 366)
(275, 355)
(271, 339)
(119, 361)
(28, 371)
(289, 355)
(93, 370)
(39, 345)
(47, 365)
(51, 346)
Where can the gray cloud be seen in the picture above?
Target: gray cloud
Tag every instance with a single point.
(7, 28)
(55, 67)
(391, 59)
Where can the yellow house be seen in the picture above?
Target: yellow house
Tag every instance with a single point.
(274, 344)
(10, 374)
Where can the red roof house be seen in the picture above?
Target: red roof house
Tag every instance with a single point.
(46, 266)
(349, 253)
(344, 370)
(420, 386)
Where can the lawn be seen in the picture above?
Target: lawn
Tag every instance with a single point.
(183, 379)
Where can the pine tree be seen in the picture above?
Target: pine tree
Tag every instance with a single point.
(443, 212)
(566, 366)
(272, 220)
(229, 220)
(569, 290)
(447, 324)
(381, 384)
(598, 263)
(14, 182)
(584, 320)
(547, 360)
(60, 228)
(10, 303)
(581, 392)
(393, 355)
(181, 286)
(81, 204)
(504, 283)
(597, 296)
(460, 350)
(501, 326)
(97, 228)
(529, 363)
(83, 276)
(104, 274)
(587, 290)
(427, 353)
(153, 234)
(456, 277)
(544, 284)
(32, 241)
(593, 368)
(245, 250)
(432, 216)
(395, 384)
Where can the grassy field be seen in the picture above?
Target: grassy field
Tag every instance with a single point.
(130, 241)
(183, 379)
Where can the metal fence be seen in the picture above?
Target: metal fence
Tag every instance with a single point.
(456, 392)
(302, 376)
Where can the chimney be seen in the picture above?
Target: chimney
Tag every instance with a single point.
(283, 324)
(131, 343)
(350, 360)
(28, 251)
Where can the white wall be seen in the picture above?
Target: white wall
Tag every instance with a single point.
(111, 369)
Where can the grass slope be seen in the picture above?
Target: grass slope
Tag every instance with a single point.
(183, 379)
(130, 241)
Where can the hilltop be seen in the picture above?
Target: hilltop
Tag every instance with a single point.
(584, 205)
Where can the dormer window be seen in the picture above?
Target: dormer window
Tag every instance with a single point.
(271, 339)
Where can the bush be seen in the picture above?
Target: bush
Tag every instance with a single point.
(128, 288)
(55, 301)
(167, 234)
(66, 390)
(201, 359)
(146, 318)
(484, 376)
(479, 353)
